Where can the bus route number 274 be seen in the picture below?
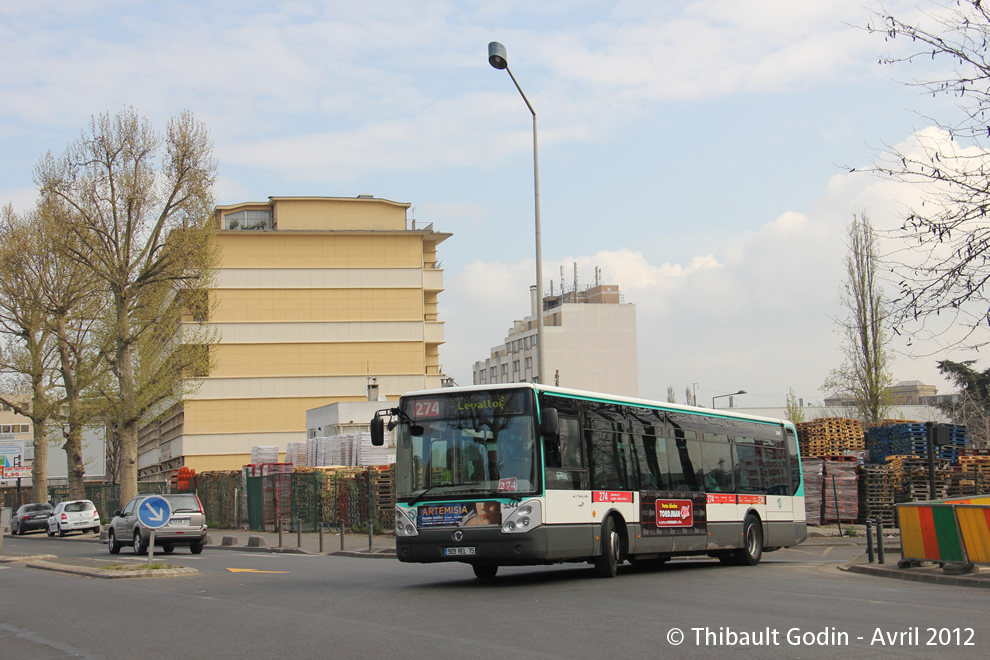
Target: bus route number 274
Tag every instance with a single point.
(429, 408)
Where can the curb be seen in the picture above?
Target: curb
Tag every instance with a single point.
(111, 574)
(387, 554)
(906, 574)
(10, 559)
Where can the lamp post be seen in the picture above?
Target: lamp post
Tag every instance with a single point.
(497, 58)
(724, 395)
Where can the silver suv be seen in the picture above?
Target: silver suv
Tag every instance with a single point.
(186, 526)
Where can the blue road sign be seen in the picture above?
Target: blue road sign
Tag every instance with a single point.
(154, 512)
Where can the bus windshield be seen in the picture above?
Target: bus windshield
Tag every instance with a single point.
(472, 443)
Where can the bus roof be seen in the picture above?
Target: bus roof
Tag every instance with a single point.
(601, 396)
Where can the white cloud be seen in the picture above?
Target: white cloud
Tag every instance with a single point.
(762, 320)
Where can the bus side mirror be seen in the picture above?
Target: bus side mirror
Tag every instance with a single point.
(377, 431)
(549, 425)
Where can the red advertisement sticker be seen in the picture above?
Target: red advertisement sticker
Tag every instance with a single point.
(611, 496)
(721, 498)
(675, 513)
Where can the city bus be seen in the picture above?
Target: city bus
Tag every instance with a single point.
(528, 474)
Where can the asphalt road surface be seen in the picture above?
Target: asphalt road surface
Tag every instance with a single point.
(245, 605)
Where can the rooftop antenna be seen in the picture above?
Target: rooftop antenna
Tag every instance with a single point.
(575, 277)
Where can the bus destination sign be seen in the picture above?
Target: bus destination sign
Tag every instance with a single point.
(469, 405)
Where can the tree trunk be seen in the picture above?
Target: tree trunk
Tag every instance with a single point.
(129, 424)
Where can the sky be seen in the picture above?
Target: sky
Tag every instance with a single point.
(699, 152)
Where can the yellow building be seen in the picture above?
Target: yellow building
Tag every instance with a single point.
(315, 296)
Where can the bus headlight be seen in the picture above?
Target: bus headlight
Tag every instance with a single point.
(405, 522)
(527, 516)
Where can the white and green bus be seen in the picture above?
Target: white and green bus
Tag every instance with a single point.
(527, 474)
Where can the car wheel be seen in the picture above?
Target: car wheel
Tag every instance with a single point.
(167, 548)
(112, 543)
(196, 548)
(140, 548)
(13, 530)
(48, 530)
(61, 532)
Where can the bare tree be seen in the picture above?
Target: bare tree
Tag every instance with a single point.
(28, 358)
(73, 303)
(140, 205)
(864, 375)
(689, 397)
(945, 269)
(671, 397)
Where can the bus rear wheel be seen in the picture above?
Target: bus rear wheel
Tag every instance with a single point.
(607, 563)
(752, 550)
(485, 571)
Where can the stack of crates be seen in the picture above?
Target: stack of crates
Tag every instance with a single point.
(830, 436)
(876, 493)
(911, 439)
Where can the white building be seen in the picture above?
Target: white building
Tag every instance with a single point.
(590, 344)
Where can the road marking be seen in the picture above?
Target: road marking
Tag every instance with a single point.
(252, 570)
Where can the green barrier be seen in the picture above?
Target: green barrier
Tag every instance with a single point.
(955, 531)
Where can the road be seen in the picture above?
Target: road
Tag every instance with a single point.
(245, 604)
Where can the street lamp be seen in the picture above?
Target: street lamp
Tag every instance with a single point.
(724, 395)
(497, 58)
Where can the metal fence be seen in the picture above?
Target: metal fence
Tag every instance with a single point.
(329, 498)
(300, 500)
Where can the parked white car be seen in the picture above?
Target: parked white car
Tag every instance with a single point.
(74, 516)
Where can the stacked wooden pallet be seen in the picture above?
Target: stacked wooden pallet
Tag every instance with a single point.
(972, 474)
(911, 438)
(830, 436)
(876, 493)
(911, 478)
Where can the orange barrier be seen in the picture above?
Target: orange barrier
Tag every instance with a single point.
(949, 531)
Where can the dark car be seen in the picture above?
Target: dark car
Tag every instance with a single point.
(186, 526)
(30, 517)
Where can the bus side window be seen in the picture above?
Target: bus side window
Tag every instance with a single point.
(607, 470)
(716, 458)
(684, 455)
(775, 464)
(651, 458)
(749, 467)
(571, 474)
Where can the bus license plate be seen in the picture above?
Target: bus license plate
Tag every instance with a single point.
(450, 552)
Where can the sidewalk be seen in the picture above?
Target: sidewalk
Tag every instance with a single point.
(929, 572)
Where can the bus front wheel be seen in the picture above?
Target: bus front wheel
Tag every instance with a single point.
(607, 563)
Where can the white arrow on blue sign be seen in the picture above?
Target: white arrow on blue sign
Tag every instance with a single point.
(154, 512)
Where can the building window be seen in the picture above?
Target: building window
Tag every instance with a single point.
(491, 374)
(529, 363)
(505, 369)
(247, 220)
